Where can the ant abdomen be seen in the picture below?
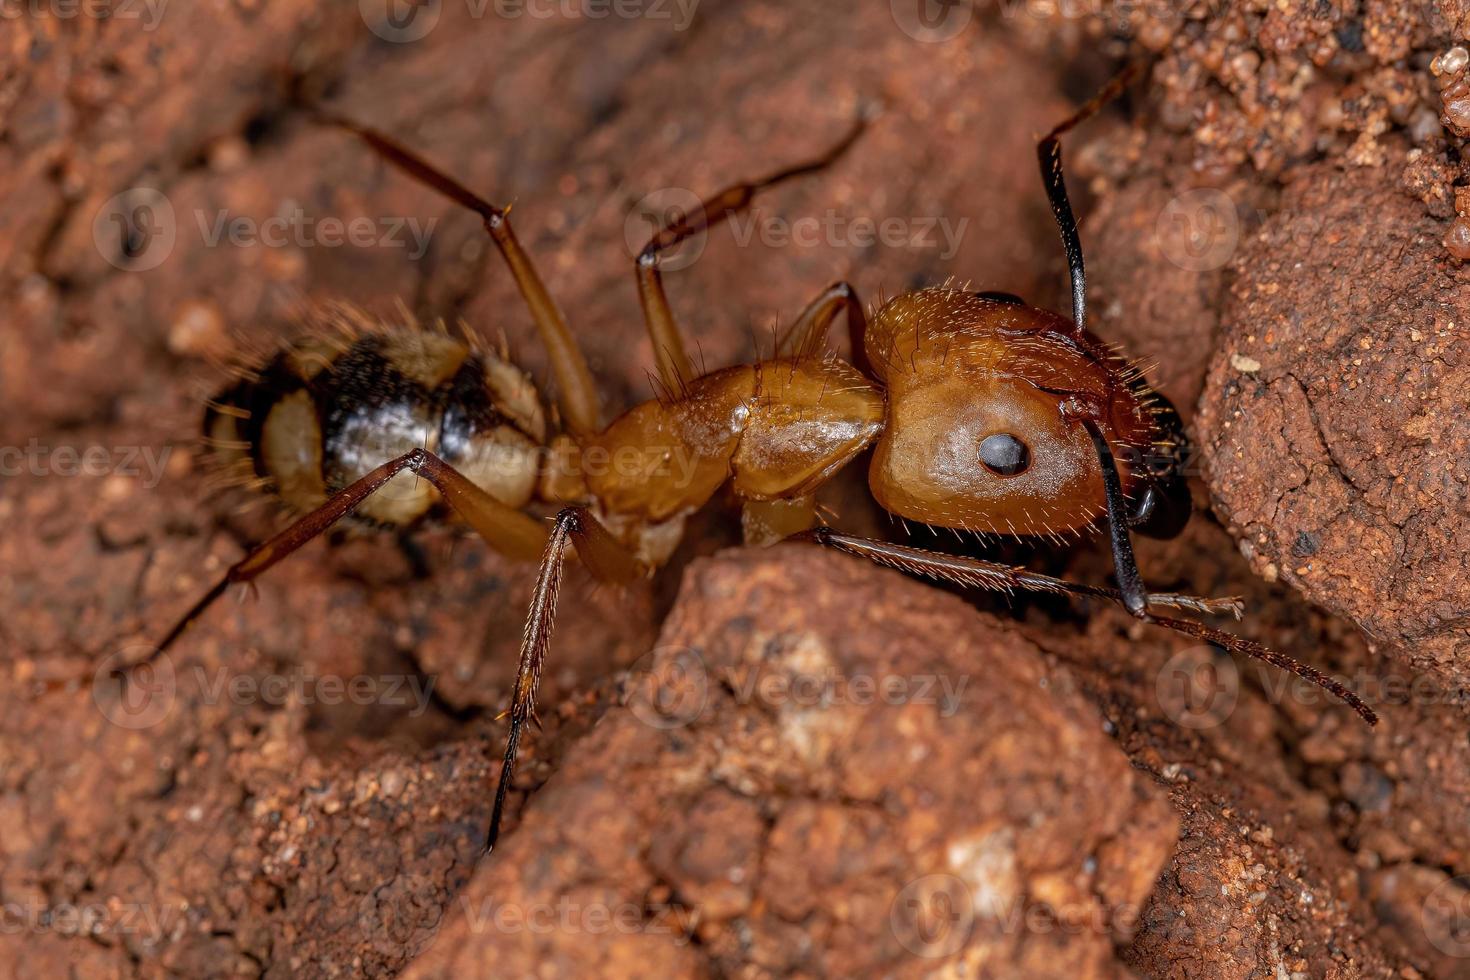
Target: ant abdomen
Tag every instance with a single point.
(324, 411)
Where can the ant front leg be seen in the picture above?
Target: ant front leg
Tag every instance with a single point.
(609, 562)
(1049, 153)
(668, 346)
(979, 574)
(1125, 566)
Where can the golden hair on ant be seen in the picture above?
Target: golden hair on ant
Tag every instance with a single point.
(984, 414)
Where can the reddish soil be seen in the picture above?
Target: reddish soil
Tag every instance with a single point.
(1266, 224)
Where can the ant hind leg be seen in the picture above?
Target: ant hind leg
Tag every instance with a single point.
(577, 394)
(503, 528)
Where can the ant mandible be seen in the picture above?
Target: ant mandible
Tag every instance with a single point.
(984, 414)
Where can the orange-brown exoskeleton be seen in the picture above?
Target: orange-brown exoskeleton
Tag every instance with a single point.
(983, 414)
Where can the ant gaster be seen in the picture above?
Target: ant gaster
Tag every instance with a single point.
(984, 414)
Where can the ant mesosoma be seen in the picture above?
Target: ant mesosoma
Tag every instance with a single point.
(984, 414)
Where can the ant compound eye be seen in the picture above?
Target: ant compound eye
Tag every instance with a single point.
(1004, 455)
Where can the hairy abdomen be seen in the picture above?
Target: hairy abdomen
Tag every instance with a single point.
(326, 411)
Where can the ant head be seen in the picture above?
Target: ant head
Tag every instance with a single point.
(985, 398)
(993, 455)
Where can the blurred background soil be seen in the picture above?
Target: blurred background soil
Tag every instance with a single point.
(1273, 224)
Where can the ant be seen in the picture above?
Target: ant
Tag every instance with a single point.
(984, 414)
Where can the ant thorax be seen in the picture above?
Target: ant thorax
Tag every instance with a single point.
(327, 409)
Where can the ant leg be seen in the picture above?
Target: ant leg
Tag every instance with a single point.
(1125, 566)
(663, 331)
(609, 562)
(1137, 601)
(503, 528)
(1049, 153)
(1133, 595)
(975, 573)
(580, 405)
(764, 522)
(809, 332)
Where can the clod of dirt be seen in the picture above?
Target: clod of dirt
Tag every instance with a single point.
(1340, 459)
(802, 781)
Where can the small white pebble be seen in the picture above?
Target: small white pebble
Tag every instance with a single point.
(1243, 364)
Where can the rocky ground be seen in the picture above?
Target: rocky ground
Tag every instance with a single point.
(766, 762)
